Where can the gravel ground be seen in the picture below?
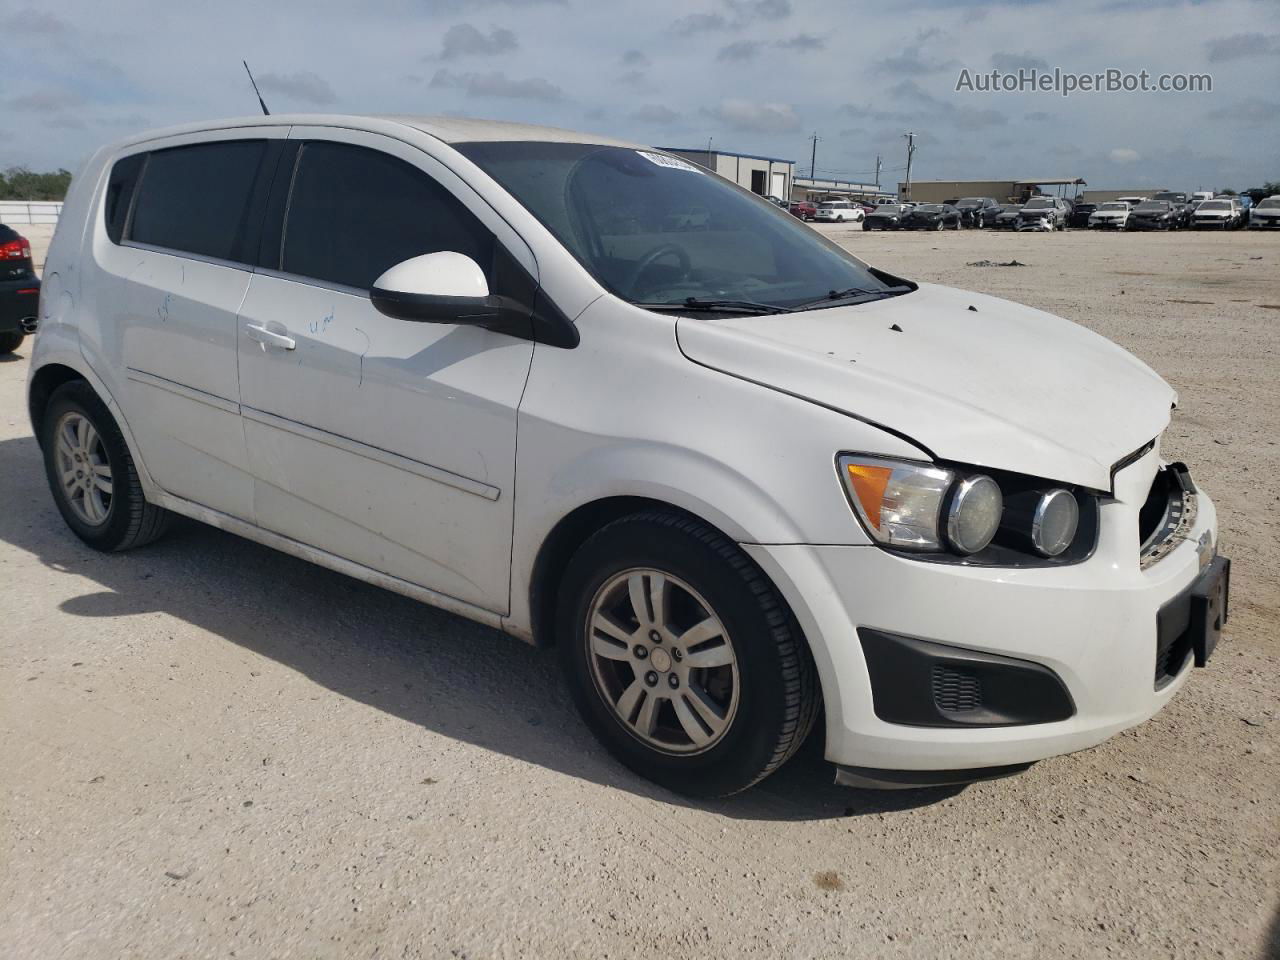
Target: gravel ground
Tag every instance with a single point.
(213, 750)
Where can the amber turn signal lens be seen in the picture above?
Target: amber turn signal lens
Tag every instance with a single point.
(869, 484)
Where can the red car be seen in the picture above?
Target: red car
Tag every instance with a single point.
(803, 209)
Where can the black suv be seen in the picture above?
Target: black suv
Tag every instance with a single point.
(978, 212)
(19, 289)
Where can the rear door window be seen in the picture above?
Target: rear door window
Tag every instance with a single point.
(197, 199)
(355, 212)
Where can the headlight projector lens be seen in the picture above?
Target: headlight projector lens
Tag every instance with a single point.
(1053, 525)
(974, 514)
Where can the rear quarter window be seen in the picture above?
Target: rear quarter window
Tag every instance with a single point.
(197, 199)
(120, 190)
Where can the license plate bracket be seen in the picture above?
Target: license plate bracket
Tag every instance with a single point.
(1209, 600)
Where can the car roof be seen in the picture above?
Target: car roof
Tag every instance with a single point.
(447, 128)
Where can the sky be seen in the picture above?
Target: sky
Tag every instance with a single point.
(754, 76)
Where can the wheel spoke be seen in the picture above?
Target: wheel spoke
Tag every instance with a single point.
(708, 629)
(626, 704)
(90, 438)
(604, 646)
(713, 655)
(82, 433)
(639, 602)
(103, 483)
(91, 505)
(69, 478)
(648, 717)
(603, 623)
(67, 441)
(707, 711)
(692, 728)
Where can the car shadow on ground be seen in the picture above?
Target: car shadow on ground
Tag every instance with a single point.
(430, 668)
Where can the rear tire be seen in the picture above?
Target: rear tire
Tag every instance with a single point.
(10, 342)
(641, 601)
(92, 475)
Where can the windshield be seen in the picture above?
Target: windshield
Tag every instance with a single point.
(1271, 203)
(969, 202)
(1215, 205)
(928, 208)
(1153, 206)
(1175, 197)
(1039, 203)
(886, 208)
(1113, 206)
(655, 229)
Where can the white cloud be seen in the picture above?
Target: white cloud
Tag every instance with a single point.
(752, 117)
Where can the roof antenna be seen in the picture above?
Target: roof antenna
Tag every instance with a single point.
(265, 111)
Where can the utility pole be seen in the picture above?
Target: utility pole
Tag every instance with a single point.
(911, 149)
(813, 155)
(878, 171)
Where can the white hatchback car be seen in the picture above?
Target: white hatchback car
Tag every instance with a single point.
(595, 396)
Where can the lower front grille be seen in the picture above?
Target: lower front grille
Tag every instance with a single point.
(956, 691)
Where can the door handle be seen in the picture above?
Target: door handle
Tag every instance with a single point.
(268, 337)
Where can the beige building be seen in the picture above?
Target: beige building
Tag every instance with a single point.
(1005, 191)
(1102, 196)
(767, 176)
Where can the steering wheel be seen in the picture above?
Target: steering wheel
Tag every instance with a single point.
(652, 257)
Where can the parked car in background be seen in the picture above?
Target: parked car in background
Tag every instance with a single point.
(1007, 218)
(1202, 195)
(977, 212)
(777, 201)
(803, 209)
(1132, 201)
(1080, 213)
(1218, 214)
(1113, 215)
(1181, 205)
(931, 216)
(962, 554)
(838, 211)
(886, 216)
(1153, 215)
(1044, 213)
(1266, 214)
(19, 290)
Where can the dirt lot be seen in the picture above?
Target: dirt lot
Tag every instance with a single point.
(213, 750)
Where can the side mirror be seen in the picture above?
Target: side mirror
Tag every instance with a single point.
(443, 287)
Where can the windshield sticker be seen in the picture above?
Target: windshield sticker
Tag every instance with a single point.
(670, 162)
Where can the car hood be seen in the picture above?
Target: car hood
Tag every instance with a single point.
(1000, 385)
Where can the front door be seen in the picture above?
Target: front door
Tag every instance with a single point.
(387, 442)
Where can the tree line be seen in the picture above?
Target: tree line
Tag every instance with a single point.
(19, 183)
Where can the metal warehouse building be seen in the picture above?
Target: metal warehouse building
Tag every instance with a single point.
(1005, 191)
(767, 176)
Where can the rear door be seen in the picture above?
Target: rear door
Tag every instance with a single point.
(175, 245)
(386, 442)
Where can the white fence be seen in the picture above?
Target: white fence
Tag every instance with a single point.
(29, 211)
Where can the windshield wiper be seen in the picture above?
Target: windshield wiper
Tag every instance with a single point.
(716, 306)
(851, 293)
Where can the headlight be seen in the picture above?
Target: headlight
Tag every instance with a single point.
(1043, 520)
(898, 501)
(974, 514)
(901, 502)
(1003, 519)
(1053, 526)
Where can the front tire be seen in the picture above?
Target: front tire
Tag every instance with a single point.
(92, 475)
(682, 658)
(10, 342)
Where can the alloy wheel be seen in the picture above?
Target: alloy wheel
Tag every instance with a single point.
(663, 660)
(83, 469)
